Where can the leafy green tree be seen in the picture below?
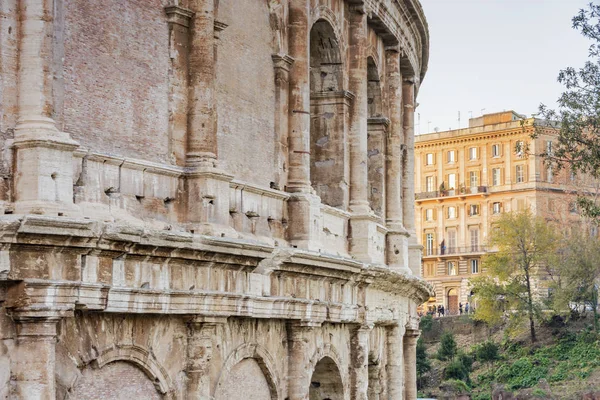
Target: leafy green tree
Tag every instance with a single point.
(578, 274)
(457, 370)
(448, 348)
(423, 364)
(578, 113)
(487, 352)
(526, 246)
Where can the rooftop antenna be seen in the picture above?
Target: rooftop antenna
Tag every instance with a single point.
(459, 120)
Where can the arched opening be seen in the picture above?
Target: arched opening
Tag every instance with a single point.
(376, 142)
(326, 381)
(245, 381)
(119, 380)
(329, 113)
(452, 301)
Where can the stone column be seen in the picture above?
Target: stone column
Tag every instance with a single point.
(397, 237)
(282, 64)
(179, 37)
(357, 71)
(33, 366)
(299, 100)
(44, 155)
(299, 352)
(395, 362)
(201, 333)
(408, 192)
(202, 121)
(410, 364)
(359, 358)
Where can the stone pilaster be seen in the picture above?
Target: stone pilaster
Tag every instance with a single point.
(33, 366)
(359, 356)
(357, 71)
(43, 158)
(299, 341)
(395, 362)
(179, 20)
(397, 237)
(410, 364)
(299, 100)
(408, 194)
(202, 332)
(202, 117)
(282, 64)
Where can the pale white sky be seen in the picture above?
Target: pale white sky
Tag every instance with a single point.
(495, 55)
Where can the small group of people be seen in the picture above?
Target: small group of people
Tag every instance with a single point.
(441, 311)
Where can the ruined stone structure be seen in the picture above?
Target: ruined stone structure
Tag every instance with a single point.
(209, 199)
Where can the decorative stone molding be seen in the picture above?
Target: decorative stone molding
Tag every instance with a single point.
(179, 15)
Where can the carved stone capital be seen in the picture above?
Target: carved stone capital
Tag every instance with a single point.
(219, 27)
(179, 16)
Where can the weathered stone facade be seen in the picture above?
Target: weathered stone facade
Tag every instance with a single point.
(209, 199)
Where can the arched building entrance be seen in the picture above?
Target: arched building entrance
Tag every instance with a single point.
(326, 381)
(452, 302)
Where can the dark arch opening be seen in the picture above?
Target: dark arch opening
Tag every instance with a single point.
(328, 109)
(326, 381)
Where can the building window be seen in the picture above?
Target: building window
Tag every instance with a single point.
(429, 269)
(429, 159)
(497, 208)
(474, 178)
(572, 176)
(452, 268)
(549, 174)
(451, 241)
(573, 207)
(474, 210)
(520, 204)
(429, 184)
(474, 266)
(429, 214)
(474, 239)
(520, 173)
(429, 244)
(549, 148)
(451, 181)
(473, 153)
(451, 157)
(520, 148)
(451, 212)
(496, 176)
(495, 150)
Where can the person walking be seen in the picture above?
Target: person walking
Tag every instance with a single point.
(467, 308)
(460, 308)
(443, 310)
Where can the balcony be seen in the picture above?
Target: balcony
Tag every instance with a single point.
(449, 193)
(452, 251)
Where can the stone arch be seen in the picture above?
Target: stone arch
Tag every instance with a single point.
(142, 359)
(264, 359)
(329, 104)
(329, 352)
(120, 360)
(325, 13)
(326, 381)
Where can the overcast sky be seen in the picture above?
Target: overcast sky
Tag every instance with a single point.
(495, 55)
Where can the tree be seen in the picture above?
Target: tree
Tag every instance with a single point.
(578, 274)
(423, 364)
(578, 114)
(526, 246)
(448, 347)
(487, 352)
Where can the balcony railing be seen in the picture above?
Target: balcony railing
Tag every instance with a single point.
(455, 250)
(454, 192)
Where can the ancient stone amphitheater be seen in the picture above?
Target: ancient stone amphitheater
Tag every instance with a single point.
(209, 199)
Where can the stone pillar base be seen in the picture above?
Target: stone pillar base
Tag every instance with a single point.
(398, 251)
(415, 251)
(43, 169)
(208, 201)
(367, 240)
(304, 211)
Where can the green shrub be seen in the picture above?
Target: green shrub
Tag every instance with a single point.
(482, 396)
(455, 385)
(521, 374)
(466, 360)
(448, 347)
(487, 352)
(426, 323)
(457, 370)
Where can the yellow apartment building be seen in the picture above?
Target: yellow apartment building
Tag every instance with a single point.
(466, 178)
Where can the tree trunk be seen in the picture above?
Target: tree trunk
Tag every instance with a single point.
(530, 306)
